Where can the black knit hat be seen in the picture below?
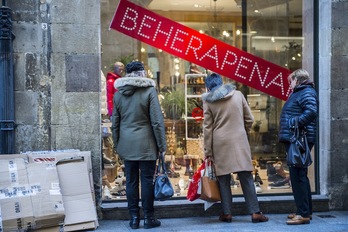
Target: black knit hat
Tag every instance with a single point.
(134, 66)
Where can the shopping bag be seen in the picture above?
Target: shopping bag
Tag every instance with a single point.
(193, 192)
(210, 187)
(163, 188)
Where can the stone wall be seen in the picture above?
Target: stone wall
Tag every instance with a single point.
(333, 92)
(57, 76)
(336, 88)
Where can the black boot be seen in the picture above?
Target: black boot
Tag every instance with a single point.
(134, 221)
(151, 222)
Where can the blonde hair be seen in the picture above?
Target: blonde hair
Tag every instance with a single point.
(300, 75)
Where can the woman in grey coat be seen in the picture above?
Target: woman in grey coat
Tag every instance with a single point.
(227, 119)
(139, 135)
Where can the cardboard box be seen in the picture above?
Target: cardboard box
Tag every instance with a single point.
(51, 158)
(47, 201)
(15, 194)
(17, 214)
(30, 181)
(13, 171)
(80, 210)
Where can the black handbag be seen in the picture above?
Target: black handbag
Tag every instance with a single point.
(299, 154)
(163, 189)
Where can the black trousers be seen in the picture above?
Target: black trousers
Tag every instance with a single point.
(301, 188)
(147, 170)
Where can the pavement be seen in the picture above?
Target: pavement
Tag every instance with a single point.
(332, 221)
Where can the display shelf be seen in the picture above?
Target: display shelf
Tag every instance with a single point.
(194, 88)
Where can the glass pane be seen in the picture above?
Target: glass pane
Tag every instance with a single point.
(272, 30)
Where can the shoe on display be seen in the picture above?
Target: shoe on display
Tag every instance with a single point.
(280, 170)
(292, 215)
(225, 218)
(258, 188)
(275, 178)
(298, 220)
(258, 217)
(106, 132)
(107, 160)
(258, 178)
(278, 183)
(107, 194)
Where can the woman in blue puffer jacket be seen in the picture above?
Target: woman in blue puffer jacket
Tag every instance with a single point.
(303, 105)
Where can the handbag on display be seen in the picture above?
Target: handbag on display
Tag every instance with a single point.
(194, 184)
(299, 154)
(210, 187)
(163, 188)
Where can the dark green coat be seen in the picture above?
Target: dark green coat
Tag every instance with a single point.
(137, 121)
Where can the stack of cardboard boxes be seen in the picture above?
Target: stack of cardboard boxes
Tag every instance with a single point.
(37, 191)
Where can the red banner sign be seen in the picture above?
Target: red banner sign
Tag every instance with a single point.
(201, 49)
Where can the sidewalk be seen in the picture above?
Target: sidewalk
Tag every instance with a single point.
(333, 221)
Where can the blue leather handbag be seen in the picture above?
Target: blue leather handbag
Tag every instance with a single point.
(163, 188)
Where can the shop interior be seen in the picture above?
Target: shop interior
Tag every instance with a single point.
(270, 29)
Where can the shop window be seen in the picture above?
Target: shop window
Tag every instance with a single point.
(271, 30)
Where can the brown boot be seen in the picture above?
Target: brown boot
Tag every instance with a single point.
(258, 217)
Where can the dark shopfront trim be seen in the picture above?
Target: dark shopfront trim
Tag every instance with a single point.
(179, 208)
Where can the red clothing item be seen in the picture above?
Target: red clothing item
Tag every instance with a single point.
(110, 90)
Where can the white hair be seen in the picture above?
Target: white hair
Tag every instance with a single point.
(140, 73)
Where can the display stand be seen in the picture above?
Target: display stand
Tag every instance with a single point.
(194, 88)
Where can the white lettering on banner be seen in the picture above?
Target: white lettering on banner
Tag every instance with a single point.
(132, 19)
(195, 49)
(278, 77)
(201, 49)
(227, 62)
(163, 32)
(241, 65)
(176, 38)
(146, 25)
(256, 67)
(215, 57)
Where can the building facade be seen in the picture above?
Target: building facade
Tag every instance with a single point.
(60, 47)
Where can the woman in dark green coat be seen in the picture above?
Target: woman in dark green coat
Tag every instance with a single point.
(139, 135)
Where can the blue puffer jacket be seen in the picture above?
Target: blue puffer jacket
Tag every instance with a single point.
(302, 103)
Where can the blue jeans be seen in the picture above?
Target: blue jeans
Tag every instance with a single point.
(147, 171)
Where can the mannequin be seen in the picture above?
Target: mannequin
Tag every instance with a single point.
(111, 77)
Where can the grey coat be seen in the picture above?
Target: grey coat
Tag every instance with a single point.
(227, 118)
(137, 121)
